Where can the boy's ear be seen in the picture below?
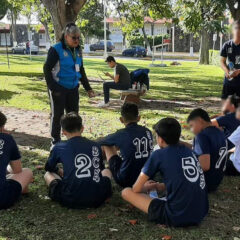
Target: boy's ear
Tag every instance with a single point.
(82, 129)
(64, 132)
(121, 119)
(138, 118)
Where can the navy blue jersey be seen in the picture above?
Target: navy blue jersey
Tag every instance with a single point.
(231, 51)
(212, 141)
(82, 161)
(136, 144)
(229, 123)
(187, 200)
(8, 152)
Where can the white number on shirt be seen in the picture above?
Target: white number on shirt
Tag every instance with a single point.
(190, 169)
(223, 156)
(1, 146)
(83, 163)
(139, 143)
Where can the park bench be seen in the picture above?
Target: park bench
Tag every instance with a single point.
(132, 95)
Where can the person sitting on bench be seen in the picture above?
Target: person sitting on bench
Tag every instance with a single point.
(121, 77)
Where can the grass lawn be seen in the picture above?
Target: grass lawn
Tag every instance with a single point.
(36, 217)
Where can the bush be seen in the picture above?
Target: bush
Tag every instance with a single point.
(214, 57)
(138, 39)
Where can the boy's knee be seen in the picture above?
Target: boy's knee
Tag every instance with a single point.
(46, 175)
(126, 192)
(28, 172)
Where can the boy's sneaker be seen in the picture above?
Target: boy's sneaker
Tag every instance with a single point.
(103, 104)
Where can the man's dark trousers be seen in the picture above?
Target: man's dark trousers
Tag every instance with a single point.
(64, 99)
(112, 85)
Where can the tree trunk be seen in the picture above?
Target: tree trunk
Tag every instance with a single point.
(146, 40)
(44, 23)
(14, 22)
(204, 51)
(63, 12)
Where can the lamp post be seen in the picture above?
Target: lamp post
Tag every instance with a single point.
(105, 29)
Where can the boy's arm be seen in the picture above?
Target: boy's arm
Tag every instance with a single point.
(204, 161)
(215, 123)
(138, 187)
(15, 157)
(202, 149)
(51, 164)
(16, 166)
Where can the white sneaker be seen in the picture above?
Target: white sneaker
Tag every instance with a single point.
(103, 104)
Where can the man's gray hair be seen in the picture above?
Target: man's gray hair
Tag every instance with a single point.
(71, 29)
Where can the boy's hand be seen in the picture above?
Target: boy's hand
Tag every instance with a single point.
(107, 74)
(150, 186)
(91, 94)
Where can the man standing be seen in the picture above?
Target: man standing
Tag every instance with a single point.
(63, 70)
(121, 79)
(231, 53)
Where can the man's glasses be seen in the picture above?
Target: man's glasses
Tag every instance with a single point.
(75, 38)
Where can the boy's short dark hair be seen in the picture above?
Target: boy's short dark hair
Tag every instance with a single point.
(3, 119)
(198, 113)
(129, 112)
(71, 122)
(234, 99)
(169, 130)
(110, 59)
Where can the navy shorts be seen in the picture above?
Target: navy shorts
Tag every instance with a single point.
(229, 89)
(157, 212)
(95, 197)
(10, 193)
(230, 168)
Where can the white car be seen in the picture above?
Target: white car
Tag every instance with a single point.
(21, 48)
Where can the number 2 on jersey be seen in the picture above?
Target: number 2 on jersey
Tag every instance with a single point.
(83, 163)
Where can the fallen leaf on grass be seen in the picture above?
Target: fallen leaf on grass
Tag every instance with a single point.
(133, 221)
(161, 226)
(123, 209)
(113, 230)
(130, 206)
(236, 229)
(166, 237)
(39, 167)
(226, 190)
(92, 216)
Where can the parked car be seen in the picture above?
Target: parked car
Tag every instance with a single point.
(100, 46)
(21, 48)
(135, 51)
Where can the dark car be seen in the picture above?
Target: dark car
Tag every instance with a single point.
(100, 46)
(135, 51)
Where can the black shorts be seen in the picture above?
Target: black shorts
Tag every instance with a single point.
(10, 193)
(157, 212)
(229, 89)
(95, 197)
(115, 163)
(230, 169)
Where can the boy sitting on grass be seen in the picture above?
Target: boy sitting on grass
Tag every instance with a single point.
(210, 146)
(135, 143)
(82, 183)
(17, 179)
(228, 122)
(233, 162)
(186, 202)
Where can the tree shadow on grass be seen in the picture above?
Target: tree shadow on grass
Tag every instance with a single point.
(31, 141)
(5, 94)
(21, 74)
